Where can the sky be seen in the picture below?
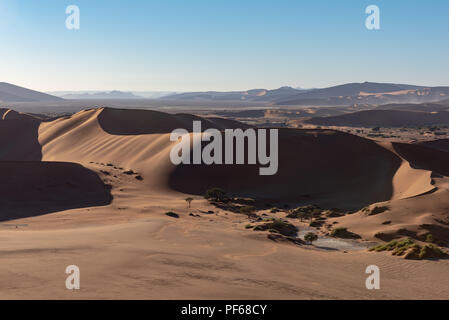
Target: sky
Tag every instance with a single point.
(200, 45)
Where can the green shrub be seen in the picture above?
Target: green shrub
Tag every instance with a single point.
(247, 209)
(282, 227)
(430, 251)
(216, 194)
(377, 210)
(310, 237)
(316, 223)
(305, 212)
(394, 244)
(430, 238)
(344, 233)
(411, 249)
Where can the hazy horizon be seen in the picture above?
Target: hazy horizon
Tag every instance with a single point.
(89, 91)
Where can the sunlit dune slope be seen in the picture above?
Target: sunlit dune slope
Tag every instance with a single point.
(324, 167)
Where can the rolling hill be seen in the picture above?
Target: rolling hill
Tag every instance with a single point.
(13, 93)
(341, 95)
(368, 93)
(256, 95)
(115, 94)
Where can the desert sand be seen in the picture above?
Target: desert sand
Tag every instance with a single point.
(70, 198)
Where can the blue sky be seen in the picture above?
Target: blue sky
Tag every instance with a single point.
(221, 44)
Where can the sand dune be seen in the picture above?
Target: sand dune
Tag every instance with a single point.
(409, 182)
(423, 157)
(135, 122)
(308, 170)
(325, 167)
(13, 115)
(74, 197)
(420, 202)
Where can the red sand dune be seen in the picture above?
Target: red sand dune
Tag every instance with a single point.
(325, 167)
(65, 167)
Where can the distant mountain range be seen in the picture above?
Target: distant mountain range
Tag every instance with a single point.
(114, 94)
(342, 95)
(12, 93)
(366, 93)
(254, 95)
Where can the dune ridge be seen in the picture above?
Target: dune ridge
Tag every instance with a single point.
(363, 172)
(86, 206)
(323, 167)
(307, 170)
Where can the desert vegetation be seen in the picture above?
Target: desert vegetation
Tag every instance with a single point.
(189, 201)
(310, 237)
(409, 249)
(344, 234)
(216, 194)
(279, 226)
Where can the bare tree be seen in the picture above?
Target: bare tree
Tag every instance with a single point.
(189, 201)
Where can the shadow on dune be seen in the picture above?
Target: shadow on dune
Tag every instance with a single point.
(30, 189)
(323, 167)
(440, 144)
(19, 140)
(425, 157)
(135, 122)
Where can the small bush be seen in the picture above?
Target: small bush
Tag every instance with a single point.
(216, 194)
(430, 238)
(431, 251)
(377, 210)
(344, 233)
(332, 213)
(316, 223)
(247, 209)
(280, 226)
(393, 245)
(305, 212)
(310, 237)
